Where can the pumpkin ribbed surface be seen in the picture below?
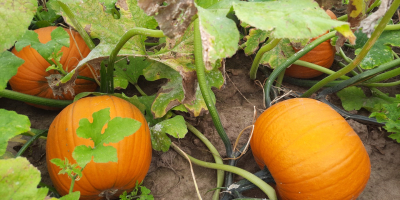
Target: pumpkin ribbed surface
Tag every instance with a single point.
(134, 151)
(322, 55)
(31, 76)
(311, 151)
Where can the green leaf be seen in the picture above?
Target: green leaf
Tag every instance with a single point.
(120, 83)
(19, 180)
(28, 38)
(173, 92)
(16, 16)
(9, 64)
(134, 100)
(293, 19)
(254, 39)
(132, 69)
(381, 51)
(219, 34)
(175, 127)
(148, 102)
(278, 54)
(102, 25)
(117, 129)
(353, 98)
(205, 3)
(11, 124)
(67, 168)
(390, 115)
(71, 196)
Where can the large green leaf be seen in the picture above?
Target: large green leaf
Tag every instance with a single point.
(293, 19)
(15, 17)
(9, 64)
(381, 52)
(219, 36)
(117, 129)
(19, 180)
(99, 24)
(11, 124)
(131, 68)
(390, 115)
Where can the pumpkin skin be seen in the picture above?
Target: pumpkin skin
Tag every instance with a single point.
(31, 76)
(322, 55)
(134, 151)
(311, 151)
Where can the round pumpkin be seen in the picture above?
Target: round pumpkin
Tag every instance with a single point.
(322, 55)
(99, 179)
(311, 151)
(31, 76)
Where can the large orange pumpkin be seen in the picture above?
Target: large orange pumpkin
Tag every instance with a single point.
(322, 55)
(31, 76)
(99, 179)
(311, 151)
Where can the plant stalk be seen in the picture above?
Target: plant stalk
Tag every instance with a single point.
(34, 99)
(108, 87)
(77, 26)
(267, 189)
(260, 53)
(215, 154)
(289, 61)
(371, 41)
(205, 91)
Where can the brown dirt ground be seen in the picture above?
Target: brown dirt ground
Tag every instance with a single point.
(169, 176)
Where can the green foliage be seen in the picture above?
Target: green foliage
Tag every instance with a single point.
(16, 15)
(59, 38)
(117, 129)
(67, 168)
(19, 180)
(381, 52)
(254, 39)
(278, 54)
(9, 64)
(139, 192)
(131, 68)
(292, 19)
(390, 115)
(11, 124)
(220, 37)
(102, 25)
(45, 16)
(354, 98)
(71, 196)
(175, 127)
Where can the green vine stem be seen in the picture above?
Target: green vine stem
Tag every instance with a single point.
(34, 99)
(260, 53)
(318, 68)
(215, 154)
(381, 95)
(289, 61)
(109, 71)
(29, 142)
(201, 78)
(267, 189)
(368, 45)
(386, 75)
(77, 26)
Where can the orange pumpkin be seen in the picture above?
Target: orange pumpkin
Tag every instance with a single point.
(99, 179)
(311, 151)
(322, 55)
(31, 76)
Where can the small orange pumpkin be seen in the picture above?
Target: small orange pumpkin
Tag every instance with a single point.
(322, 55)
(99, 179)
(31, 76)
(311, 151)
